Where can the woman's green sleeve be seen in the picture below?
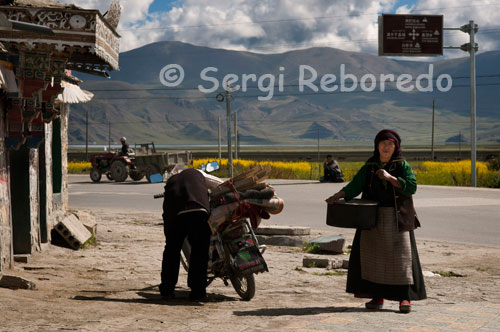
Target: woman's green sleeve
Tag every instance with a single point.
(407, 180)
(355, 187)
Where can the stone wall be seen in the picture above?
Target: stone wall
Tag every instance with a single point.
(5, 223)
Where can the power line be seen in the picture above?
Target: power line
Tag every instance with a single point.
(274, 95)
(305, 44)
(275, 86)
(344, 17)
(276, 121)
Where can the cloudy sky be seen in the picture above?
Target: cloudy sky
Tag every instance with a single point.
(275, 26)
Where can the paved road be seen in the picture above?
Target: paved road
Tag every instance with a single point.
(447, 213)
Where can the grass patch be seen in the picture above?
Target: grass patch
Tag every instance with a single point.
(311, 248)
(91, 242)
(449, 274)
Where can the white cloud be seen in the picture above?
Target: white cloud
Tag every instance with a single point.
(273, 26)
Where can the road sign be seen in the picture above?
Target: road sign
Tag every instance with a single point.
(410, 35)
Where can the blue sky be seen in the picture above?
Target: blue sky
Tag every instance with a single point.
(159, 6)
(163, 5)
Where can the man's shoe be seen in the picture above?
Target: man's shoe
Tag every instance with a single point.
(405, 306)
(375, 304)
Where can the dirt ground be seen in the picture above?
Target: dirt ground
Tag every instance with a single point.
(113, 286)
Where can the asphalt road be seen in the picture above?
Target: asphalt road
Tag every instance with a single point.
(459, 214)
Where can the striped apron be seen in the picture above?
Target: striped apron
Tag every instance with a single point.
(385, 252)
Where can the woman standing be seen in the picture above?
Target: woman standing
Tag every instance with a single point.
(384, 261)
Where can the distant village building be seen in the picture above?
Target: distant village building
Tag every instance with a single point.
(36, 88)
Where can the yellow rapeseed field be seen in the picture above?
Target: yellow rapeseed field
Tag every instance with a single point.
(455, 173)
(79, 167)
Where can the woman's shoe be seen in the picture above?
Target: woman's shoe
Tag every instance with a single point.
(375, 304)
(405, 306)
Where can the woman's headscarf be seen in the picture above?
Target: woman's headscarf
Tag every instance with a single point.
(391, 135)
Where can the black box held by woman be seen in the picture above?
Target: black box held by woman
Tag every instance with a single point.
(356, 213)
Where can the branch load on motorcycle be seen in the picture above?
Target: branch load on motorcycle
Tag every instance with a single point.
(238, 206)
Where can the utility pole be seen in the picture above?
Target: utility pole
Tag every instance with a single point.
(432, 140)
(235, 114)
(219, 138)
(319, 162)
(86, 135)
(228, 114)
(109, 136)
(460, 145)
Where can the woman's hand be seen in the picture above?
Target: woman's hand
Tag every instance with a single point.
(336, 197)
(384, 175)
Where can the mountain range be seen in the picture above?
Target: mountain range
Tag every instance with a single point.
(134, 103)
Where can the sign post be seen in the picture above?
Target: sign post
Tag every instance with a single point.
(422, 35)
(411, 35)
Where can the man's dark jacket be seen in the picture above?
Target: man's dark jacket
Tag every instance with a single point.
(185, 191)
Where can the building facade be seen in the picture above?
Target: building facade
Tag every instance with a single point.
(34, 114)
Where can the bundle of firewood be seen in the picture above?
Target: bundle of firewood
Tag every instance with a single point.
(244, 196)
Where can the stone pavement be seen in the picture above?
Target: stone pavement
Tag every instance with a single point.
(113, 286)
(424, 318)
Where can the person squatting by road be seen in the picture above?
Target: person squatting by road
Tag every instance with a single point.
(384, 261)
(186, 210)
(331, 170)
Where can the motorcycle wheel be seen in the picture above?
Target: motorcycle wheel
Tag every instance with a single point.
(95, 174)
(108, 175)
(244, 285)
(119, 171)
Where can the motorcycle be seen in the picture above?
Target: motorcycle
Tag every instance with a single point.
(234, 255)
(228, 253)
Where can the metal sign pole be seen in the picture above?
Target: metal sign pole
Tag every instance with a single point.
(472, 52)
(472, 48)
(417, 35)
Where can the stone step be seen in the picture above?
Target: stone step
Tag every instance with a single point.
(283, 230)
(14, 282)
(330, 243)
(281, 240)
(22, 258)
(322, 261)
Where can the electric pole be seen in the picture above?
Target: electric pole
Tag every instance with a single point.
(219, 138)
(109, 136)
(235, 135)
(229, 146)
(432, 139)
